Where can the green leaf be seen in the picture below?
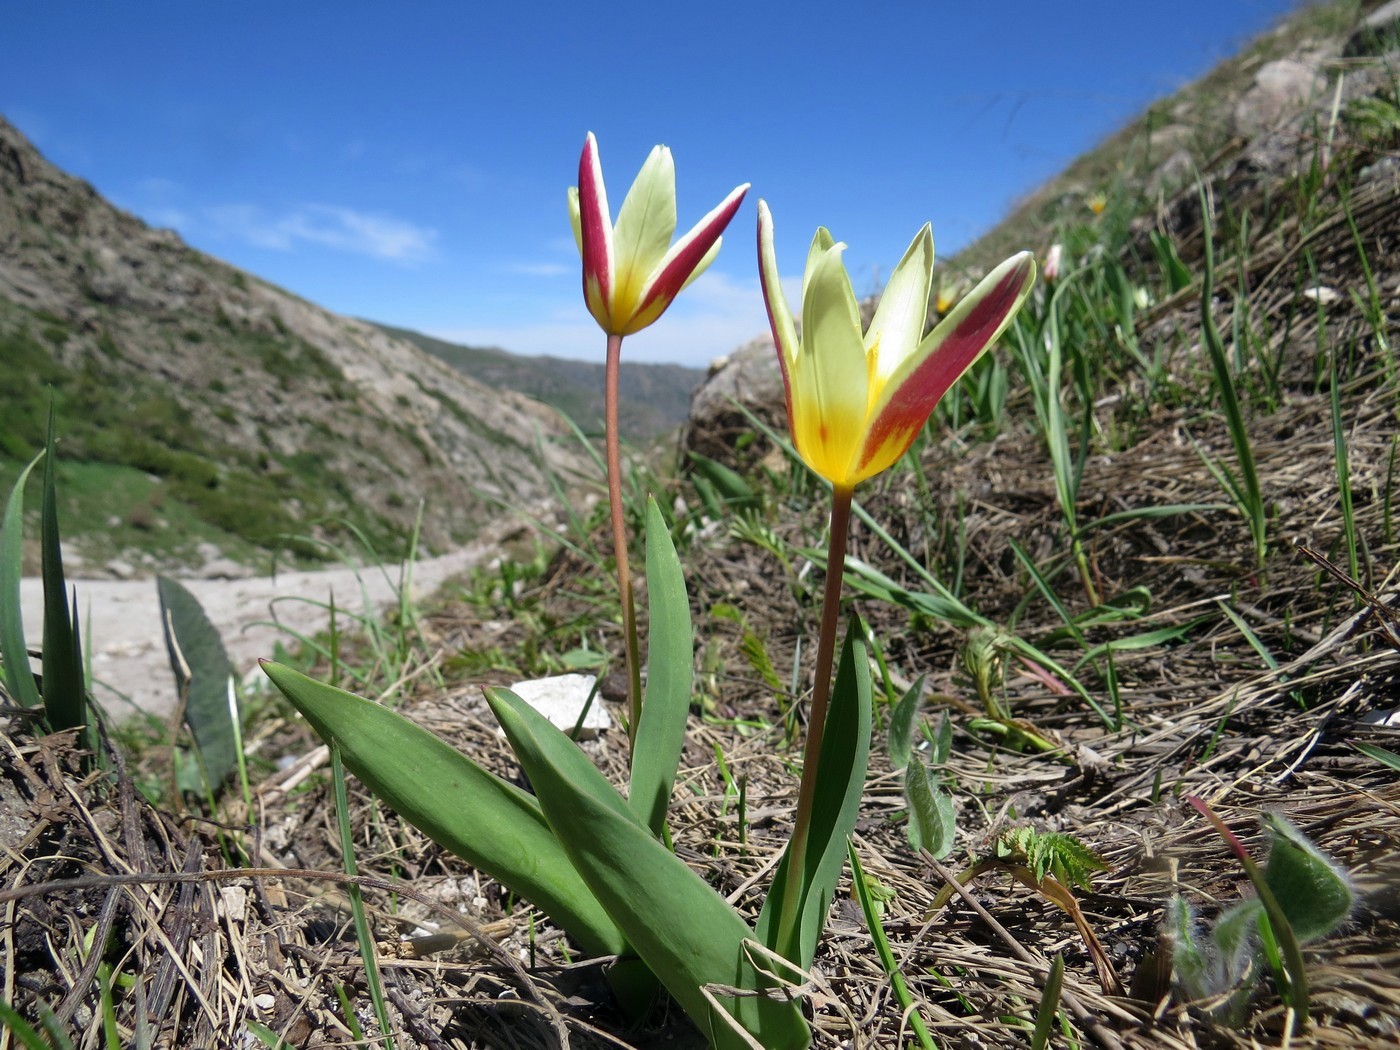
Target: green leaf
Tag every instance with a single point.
(19, 678)
(900, 732)
(1189, 963)
(845, 752)
(1178, 276)
(1313, 893)
(686, 932)
(486, 821)
(1146, 640)
(65, 694)
(670, 674)
(868, 580)
(202, 669)
(1385, 757)
(728, 485)
(11, 1021)
(943, 741)
(1049, 1003)
(932, 824)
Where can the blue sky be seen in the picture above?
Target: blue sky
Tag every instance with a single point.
(409, 162)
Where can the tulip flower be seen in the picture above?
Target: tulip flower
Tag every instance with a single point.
(856, 400)
(632, 271)
(1054, 259)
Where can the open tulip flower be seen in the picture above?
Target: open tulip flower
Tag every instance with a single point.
(856, 400)
(632, 271)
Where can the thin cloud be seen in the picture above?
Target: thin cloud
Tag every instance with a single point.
(326, 225)
(540, 269)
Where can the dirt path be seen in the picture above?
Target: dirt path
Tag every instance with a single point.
(129, 662)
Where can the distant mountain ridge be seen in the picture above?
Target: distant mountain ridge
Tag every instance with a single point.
(202, 409)
(654, 399)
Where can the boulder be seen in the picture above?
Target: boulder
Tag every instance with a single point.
(747, 381)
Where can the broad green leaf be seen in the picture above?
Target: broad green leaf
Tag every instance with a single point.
(1316, 897)
(65, 694)
(486, 821)
(845, 752)
(670, 674)
(19, 678)
(900, 733)
(197, 651)
(728, 485)
(932, 825)
(685, 931)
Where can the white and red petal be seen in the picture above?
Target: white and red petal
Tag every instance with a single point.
(945, 354)
(595, 234)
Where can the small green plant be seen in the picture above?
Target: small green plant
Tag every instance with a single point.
(1300, 896)
(61, 691)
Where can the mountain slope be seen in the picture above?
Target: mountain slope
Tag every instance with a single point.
(198, 404)
(653, 398)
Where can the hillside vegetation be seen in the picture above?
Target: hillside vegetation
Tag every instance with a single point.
(655, 398)
(202, 410)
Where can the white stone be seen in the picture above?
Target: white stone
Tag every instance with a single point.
(561, 699)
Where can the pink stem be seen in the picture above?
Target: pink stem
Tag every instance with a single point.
(619, 532)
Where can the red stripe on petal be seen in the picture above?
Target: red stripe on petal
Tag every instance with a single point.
(909, 406)
(666, 285)
(595, 223)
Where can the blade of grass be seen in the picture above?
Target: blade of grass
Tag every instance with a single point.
(1339, 448)
(861, 888)
(1049, 1003)
(1252, 499)
(19, 678)
(357, 905)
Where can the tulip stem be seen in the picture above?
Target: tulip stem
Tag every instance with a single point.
(619, 532)
(816, 718)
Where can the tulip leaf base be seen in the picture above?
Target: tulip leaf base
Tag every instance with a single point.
(481, 818)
